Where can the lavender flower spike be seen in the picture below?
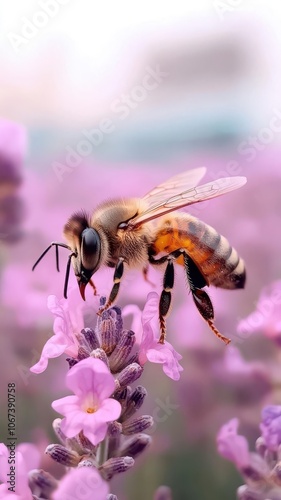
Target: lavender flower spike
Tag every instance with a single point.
(261, 470)
(100, 432)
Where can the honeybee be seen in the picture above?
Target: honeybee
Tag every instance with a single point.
(133, 233)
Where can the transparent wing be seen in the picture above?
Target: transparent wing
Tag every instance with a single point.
(188, 197)
(173, 186)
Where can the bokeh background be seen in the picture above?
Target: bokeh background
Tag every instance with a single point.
(108, 99)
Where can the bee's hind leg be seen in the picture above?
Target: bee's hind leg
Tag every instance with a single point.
(118, 273)
(201, 299)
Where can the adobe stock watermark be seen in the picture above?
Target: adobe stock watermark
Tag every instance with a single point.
(31, 26)
(121, 108)
(248, 149)
(226, 6)
(162, 412)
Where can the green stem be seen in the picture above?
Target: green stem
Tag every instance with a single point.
(102, 452)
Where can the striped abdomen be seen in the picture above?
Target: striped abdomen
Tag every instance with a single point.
(217, 260)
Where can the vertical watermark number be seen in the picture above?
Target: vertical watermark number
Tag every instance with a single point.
(11, 438)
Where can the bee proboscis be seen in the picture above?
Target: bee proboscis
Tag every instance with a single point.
(132, 233)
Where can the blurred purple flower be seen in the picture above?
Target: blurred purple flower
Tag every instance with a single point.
(12, 151)
(91, 408)
(13, 143)
(67, 325)
(232, 446)
(83, 483)
(250, 380)
(150, 349)
(26, 458)
(218, 382)
(267, 316)
(271, 427)
(260, 469)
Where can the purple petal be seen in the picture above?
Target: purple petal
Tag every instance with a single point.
(30, 454)
(233, 446)
(96, 433)
(150, 308)
(271, 426)
(83, 483)
(66, 404)
(91, 376)
(73, 423)
(109, 410)
(53, 348)
(168, 357)
(136, 325)
(266, 317)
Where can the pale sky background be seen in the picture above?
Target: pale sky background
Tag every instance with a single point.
(89, 52)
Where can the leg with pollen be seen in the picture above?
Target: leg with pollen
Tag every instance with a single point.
(196, 282)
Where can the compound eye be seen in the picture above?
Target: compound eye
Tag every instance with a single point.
(90, 248)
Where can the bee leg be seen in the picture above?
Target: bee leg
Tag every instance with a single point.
(165, 299)
(145, 273)
(93, 287)
(118, 273)
(200, 297)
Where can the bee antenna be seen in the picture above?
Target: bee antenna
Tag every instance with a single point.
(73, 254)
(57, 245)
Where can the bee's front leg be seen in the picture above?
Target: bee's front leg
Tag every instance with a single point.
(118, 273)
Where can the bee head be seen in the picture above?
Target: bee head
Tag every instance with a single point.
(86, 244)
(90, 254)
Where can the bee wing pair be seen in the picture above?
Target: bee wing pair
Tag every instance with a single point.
(181, 191)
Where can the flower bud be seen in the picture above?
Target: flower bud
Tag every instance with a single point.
(71, 362)
(115, 466)
(87, 462)
(62, 455)
(134, 402)
(131, 373)
(43, 481)
(122, 395)
(85, 443)
(74, 445)
(118, 320)
(82, 341)
(57, 429)
(91, 338)
(83, 353)
(107, 331)
(121, 352)
(137, 425)
(114, 429)
(135, 445)
(100, 354)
